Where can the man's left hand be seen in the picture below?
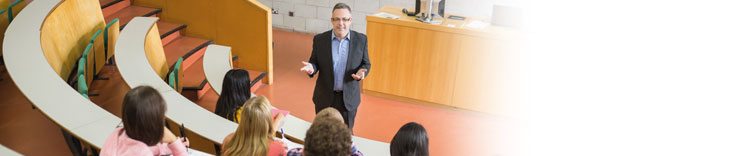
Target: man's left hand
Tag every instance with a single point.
(358, 76)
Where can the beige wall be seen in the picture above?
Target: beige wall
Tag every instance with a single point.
(312, 16)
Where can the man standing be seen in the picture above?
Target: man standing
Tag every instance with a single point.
(340, 55)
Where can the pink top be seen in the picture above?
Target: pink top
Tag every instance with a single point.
(118, 143)
(277, 147)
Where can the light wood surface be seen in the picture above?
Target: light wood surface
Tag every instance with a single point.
(67, 31)
(155, 52)
(447, 25)
(132, 62)
(245, 25)
(42, 86)
(434, 63)
(112, 37)
(99, 51)
(3, 20)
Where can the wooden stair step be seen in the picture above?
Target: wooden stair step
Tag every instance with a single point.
(256, 79)
(194, 76)
(169, 31)
(111, 6)
(194, 83)
(126, 14)
(107, 3)
(188, 48)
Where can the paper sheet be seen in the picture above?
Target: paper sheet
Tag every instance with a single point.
(386, 15)
(477, 24)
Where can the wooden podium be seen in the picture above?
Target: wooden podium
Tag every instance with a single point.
(441, 64)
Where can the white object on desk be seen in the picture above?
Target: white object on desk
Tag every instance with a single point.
(477, 24)
(193, 152)
(386, 15)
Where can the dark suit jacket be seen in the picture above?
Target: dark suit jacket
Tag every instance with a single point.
(321, 60)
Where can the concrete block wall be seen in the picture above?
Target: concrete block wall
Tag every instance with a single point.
(313, 16)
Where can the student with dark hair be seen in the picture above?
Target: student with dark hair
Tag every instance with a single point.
(327, 136)
(236, 90)
(411, 140)
(144, 131)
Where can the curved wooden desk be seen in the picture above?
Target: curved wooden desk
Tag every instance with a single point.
(217, 62)
(131, 60)
(32, 74)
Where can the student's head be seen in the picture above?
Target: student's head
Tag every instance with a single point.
(341, 19)
(411, 140)
(144, 115)
(236, 90)
(327, 137)
(329, 112)
(254, 129)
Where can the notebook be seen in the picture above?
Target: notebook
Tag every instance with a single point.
(276, 111)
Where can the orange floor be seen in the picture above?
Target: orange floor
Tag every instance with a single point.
(451, 132)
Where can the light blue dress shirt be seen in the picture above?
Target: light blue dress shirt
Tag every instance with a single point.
(339, 59)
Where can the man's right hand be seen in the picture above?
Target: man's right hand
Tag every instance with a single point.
(308, 68)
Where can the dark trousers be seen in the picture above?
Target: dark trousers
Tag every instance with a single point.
(348, 116)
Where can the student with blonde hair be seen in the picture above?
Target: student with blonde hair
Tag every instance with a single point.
(256, 127)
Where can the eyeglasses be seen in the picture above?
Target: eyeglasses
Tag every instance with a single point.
(344, 19)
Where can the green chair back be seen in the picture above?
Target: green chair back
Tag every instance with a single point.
(82, 86)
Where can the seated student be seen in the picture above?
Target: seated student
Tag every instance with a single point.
(411, 140)
(328, 135)
(329, 112)
(143, 131)
(236, 90)
(254, 136)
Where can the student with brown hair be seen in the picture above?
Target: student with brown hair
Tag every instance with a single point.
(144, 131)
(256, 127)
(329, 112)
(327, 136)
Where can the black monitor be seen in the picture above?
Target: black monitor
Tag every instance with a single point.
(418, 5)
(416, 10)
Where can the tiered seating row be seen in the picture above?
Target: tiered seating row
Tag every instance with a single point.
(31, 72)
(132, 62)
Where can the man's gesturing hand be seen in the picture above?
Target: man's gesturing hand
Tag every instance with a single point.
(308, 68)
(359, 75)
